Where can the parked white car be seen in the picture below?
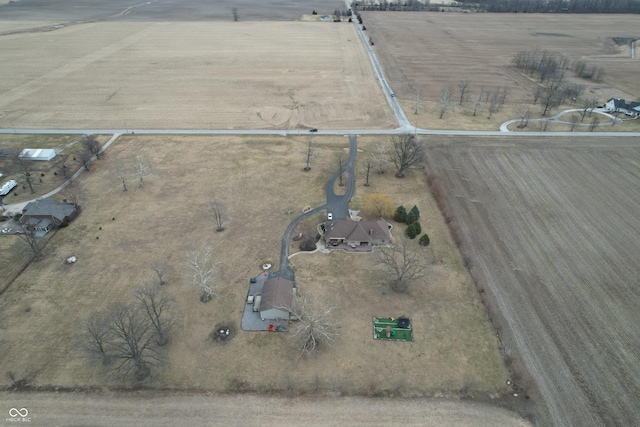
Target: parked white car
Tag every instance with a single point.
(8, 186)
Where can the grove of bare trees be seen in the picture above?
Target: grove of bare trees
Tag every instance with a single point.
(128, 338)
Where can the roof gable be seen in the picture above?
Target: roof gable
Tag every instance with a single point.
(362, 231)
(276, 293)
(48, 207)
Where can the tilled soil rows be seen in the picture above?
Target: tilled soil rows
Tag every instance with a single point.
(553, 232)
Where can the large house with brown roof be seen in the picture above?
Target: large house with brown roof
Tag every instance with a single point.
(357, 234)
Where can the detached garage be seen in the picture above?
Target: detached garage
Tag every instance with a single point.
(44, 154)
(277, 294)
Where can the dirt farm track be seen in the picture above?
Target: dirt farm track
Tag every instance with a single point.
(553, 228)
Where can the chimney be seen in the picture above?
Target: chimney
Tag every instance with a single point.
(371, 232)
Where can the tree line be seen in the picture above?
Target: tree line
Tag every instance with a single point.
(508, 6)
(560, 6)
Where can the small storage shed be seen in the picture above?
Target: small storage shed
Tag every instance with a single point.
(277, 295)
(44, 154)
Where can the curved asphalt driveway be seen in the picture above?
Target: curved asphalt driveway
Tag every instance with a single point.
(338, 205)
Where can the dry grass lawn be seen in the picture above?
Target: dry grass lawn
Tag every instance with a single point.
(260, 179)
(195, 75)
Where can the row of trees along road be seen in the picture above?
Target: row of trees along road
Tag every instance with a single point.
(405, 152)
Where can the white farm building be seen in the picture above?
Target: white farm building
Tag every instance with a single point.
(44, 154)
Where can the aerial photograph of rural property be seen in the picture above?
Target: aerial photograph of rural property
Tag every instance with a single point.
(320, 213)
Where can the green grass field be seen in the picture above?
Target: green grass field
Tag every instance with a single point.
(380, 325)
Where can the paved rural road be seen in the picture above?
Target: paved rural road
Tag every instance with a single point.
(198, 409)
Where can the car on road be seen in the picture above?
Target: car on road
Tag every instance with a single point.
(313, 130)
(330, 216)
(393, 95)
(7, 187)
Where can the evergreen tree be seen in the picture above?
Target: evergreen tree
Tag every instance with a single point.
(401, 214)
(411, 231)
(424, 240)
(417, 227)
(413, 215)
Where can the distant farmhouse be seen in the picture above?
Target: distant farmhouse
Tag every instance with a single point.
(44, 214)
(349, 234)
(617, 105)
(44, 154)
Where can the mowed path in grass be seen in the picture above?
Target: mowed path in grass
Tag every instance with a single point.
(553, 229)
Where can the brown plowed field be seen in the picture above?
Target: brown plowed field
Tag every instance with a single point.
(553, 228)
(432, 51)
(190, 75)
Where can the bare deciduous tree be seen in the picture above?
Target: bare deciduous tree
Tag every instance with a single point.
(380, 155)
(574, 119)
(25, 168)
(524, 112)
(594, 123)
(538, 91)
(142, 168)
(62, 164)
(316, 326)
(94, 338)
(476, 105)
(203, 271)
(160, 308)
(219, 213)
(368, 171)
(503, 94)
(406, 153)
(73, 193)
(588, 104)
(402, 264)
(445, 101)
(161, 269)
(85, 157)
(494, 103)
(130, 342)
(33, 244)
(91, 144)
(120, 174)
(309, 154)
(551, 95)
(463, 87)
(419, 95)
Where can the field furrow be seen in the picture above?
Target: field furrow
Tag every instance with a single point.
(554, 236)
